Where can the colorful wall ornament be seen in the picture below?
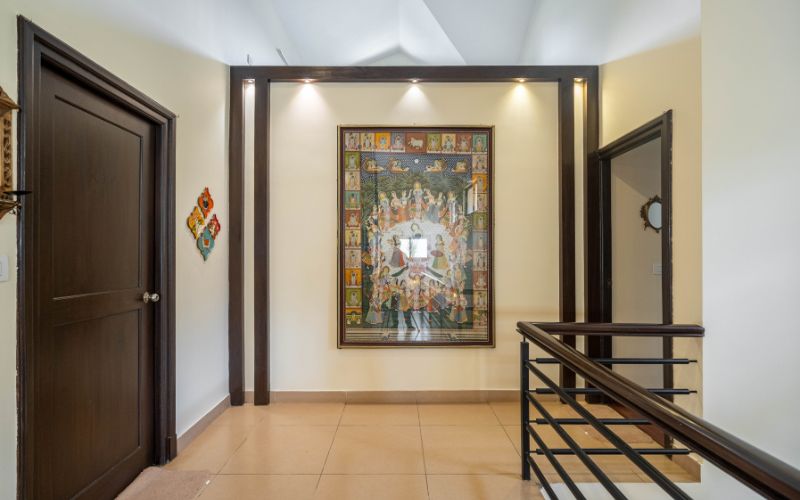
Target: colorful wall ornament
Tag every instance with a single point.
(204, 229)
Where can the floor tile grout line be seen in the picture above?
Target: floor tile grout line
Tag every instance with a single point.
(328, 454)
(246, 437)
(422, 445)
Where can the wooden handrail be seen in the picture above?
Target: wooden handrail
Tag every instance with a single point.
(622, 329)
(755, 468)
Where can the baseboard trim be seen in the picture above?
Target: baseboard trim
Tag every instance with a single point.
(202, 424)
(355, 397)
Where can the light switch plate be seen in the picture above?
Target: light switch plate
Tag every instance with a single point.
(3, 267)
(657, 269)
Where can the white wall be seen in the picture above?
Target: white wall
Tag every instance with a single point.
(194, 87)
(633, 91)
(303, 249)
(751, 275)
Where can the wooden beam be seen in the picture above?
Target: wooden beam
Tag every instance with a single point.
(261, 242)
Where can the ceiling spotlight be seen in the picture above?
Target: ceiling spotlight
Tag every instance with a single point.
(415, 80)
(307, 80)
(579, 80)
(521, 80)
(250, 81)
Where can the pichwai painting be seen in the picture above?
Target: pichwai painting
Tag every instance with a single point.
(415, 236)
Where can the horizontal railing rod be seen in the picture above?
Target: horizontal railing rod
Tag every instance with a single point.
(614, 451)
(604, 421)
(762, 472)
(622, 329)
(594, 390)
(652, 472)
(626, 361)
(575, 449)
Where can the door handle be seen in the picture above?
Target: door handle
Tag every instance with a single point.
(150, 297)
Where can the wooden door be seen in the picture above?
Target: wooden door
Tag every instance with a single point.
(92, 413)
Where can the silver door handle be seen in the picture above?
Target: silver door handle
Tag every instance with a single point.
(150, 297)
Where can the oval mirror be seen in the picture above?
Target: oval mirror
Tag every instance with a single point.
(651, 213)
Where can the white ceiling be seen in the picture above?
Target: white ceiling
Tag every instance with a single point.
(399, 32)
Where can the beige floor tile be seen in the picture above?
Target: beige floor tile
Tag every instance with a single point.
(482, 487)
(246, 416)
(211, 449)
(380, 414)
(457, 414)
(385, 487)
(271, 449)
(260, 487)
(376, 450)
(507, 413)
(468, 450)
(303, 413)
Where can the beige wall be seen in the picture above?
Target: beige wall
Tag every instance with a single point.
(751, 242)
(635, 90)
(636, 293)
(195, 88)
(304, 230)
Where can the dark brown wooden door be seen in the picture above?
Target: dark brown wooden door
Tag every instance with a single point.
(93, 341)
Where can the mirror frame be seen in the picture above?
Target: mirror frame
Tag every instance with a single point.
(644, 212)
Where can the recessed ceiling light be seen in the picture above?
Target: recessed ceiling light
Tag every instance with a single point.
(579, 80)
(415, 80)
(307, 80)
(521, 80)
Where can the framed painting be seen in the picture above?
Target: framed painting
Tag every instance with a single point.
(415, 236)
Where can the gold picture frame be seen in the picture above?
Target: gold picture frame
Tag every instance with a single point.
(7, 106)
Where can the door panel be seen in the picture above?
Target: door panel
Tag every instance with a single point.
(108, 202)
(93, 341)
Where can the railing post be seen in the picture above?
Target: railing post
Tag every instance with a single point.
(524, 409)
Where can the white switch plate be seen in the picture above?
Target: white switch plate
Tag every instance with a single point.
(657, 269)
(3, 267)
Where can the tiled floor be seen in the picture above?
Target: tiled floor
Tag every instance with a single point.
(405, 451)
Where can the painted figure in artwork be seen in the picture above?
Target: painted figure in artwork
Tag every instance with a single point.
(448, 143)
(398, 258)
(439, 257)
(479, 143)
(375, 315)
(458, 313)
(397, 145)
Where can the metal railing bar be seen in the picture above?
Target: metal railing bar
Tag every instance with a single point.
(524, 380)
(556, 464)
(605, 421)
(614, 451)
(576, 450)
(652, 472)
(540, 476)
(625, 361)
(594, 390)
(764, 473)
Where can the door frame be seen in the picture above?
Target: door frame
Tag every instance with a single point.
(261, 77)
(598, 227)
(36, 49)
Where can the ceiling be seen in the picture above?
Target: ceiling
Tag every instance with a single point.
(400, 32)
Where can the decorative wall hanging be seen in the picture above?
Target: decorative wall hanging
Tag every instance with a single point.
(204, 229)
(415, 236)
(7, 203)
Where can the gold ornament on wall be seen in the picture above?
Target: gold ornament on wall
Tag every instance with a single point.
(7, 203)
